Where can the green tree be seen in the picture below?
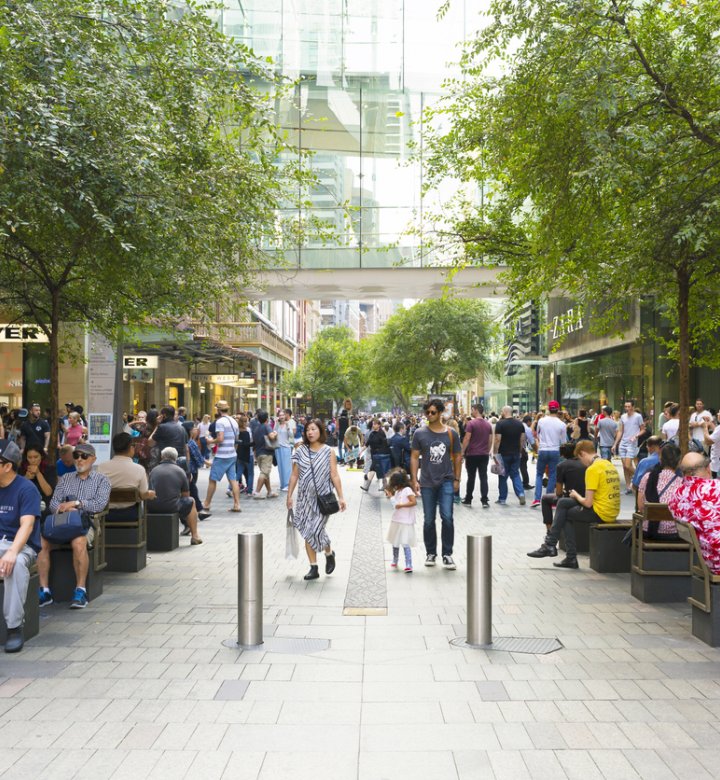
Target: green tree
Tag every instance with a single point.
(137, 158)
(433, 347)
(591, 127)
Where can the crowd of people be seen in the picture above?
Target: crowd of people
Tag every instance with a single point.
(160, 453)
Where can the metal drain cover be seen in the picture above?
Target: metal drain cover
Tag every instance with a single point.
(287, 645)
(514, 644)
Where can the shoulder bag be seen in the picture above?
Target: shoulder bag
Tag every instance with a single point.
(327, 502)
(63, 527)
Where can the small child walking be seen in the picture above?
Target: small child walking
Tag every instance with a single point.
(402, 527)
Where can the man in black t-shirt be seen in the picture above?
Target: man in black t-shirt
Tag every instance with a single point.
(509, 442)
(570, 476)
(170, 433)
(35, 430)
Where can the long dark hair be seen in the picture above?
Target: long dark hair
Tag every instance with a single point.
(33, 448)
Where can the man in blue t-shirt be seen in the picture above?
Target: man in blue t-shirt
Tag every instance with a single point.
(19, 540)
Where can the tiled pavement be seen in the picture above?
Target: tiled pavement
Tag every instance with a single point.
(139, 684)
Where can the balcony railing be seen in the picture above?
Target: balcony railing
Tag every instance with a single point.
(245, 334)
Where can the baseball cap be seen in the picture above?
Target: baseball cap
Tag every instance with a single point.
(553, 406)
(22, 413)
(10, 452)
(88, 449)
(70, 404)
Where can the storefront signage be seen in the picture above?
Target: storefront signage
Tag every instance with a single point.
(567, 322)
(20, 334)
(218, 379)
(140, 361)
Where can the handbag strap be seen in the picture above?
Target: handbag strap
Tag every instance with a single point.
(312, 471)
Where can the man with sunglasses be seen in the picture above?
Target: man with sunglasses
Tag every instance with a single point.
(86, 491)
(439, 447)
(19, 540)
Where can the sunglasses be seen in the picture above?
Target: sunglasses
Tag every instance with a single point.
(82, 455)
(432, 411)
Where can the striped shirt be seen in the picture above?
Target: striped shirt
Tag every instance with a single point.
(93, 491)
(230, 430)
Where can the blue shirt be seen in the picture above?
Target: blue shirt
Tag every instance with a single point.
(644, 466)
(62, 469)
(20, 498)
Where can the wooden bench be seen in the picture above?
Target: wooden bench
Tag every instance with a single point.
(126, 540)
(705, 591)
(608, 554)
(163, 532)
(62, 571)
(31, 626)
(660, 567)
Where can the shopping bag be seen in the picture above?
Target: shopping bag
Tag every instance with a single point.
(292, 544)
(497, 466)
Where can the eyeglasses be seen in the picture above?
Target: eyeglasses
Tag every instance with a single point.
(82, 455)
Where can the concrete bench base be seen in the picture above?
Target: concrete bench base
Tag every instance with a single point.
(582, 537)
(31, 627)
(63, 580)
(662, 588)
(124, 550)
(706, 625)
(607, 552)
(163, 532)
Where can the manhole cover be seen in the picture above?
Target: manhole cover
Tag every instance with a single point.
(514, 644)
(286, 645)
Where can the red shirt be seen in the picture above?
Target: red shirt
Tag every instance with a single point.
(697, 501)
(480, 432)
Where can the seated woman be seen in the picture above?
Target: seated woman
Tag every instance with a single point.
(37, 469)
(656, 487)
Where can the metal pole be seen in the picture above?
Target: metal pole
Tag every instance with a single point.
(250, 589)
(479, 590)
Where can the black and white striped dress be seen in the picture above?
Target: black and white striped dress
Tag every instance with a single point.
(308, 520)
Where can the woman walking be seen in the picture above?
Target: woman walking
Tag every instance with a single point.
(314, 471)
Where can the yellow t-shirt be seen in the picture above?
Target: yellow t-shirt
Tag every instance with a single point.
(602, 477)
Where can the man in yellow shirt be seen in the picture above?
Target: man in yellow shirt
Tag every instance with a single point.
(600, 504)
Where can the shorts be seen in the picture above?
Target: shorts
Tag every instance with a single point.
(265, 463)
(628, 449)
(222, 466)
(186, 506)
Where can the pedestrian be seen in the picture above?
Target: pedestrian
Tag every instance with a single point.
(626, 441)
(245, 466)
(508, 443)
(476, 451)
(263, 436)
(353, 441)
(204, 429)
(402, 526)
(437, 453)
(314, 471)
(380, 461)
(226, 431)
(36, 468)
(551, 433)
(343, 425)
(606, 430)
(283, 450)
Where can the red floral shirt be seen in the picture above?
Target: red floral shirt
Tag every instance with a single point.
(697, 501)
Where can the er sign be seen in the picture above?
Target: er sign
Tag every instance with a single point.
(140, 361)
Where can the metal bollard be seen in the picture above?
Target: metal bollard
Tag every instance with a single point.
(479, 590)
(250, 589)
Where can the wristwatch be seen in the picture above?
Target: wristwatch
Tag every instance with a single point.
(77, 505)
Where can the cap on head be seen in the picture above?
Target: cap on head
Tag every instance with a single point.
(553, 406)
(88, 449)
(22, 413)
(70, 404)
(10, 452)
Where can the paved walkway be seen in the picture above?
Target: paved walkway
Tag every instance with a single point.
(139, 684)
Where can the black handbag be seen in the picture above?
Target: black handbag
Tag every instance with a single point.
(327, 502)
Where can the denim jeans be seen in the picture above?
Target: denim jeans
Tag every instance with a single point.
(549, 459)
(247, 468)
(282, 455)
(606, 452)
(567, 512)
(433, 498)
(512, 472)
(477, 464)
(381, 464)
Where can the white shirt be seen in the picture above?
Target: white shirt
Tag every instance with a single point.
(670, 430)
(698, 433)
(551, 432)
(631, 426)
(715, 450)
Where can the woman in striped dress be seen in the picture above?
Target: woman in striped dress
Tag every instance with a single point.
(307, 518)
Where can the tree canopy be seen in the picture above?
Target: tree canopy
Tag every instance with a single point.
(592, 128)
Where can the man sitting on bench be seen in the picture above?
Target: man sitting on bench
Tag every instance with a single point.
(172, 489)
(19, 540)
(87, 491)
(697, 501)
(124, 473)
(600, 504)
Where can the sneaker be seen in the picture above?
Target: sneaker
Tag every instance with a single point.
(456, 499)
(466, 502)
(45, 597)
(430, 560)
(228, 493)
(629, 492)
(521, 499)
(80, 599)
(204, 515)
(544, 551)
(365, 486)
(535, 504)
(567, 563)
(501, 502)
(528, 487)
(408, 570)
(486, 505)
(393, 565)
(449, 563)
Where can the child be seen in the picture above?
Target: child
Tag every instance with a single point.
(402, 527)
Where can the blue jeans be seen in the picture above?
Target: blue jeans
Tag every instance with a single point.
(512, 472)
(549, 458)
(282, 455)
(381, 464)
(432, 498)
(606, 452)
(248, 469)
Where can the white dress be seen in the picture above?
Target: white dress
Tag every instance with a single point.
(402, 527)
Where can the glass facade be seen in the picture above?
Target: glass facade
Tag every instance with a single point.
(365, 72)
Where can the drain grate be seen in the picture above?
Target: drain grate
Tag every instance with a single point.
(286, 645)
(515, 644)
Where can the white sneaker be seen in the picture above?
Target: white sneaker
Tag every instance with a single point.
(448, 562)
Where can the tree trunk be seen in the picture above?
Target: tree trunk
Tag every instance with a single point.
(54, 343)
(683, 283)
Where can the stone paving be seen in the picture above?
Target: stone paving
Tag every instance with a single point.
(139, 685)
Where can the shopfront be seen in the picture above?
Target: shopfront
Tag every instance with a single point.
(24, 366)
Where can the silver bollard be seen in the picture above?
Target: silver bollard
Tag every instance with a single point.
(479, 590)
(250, 589)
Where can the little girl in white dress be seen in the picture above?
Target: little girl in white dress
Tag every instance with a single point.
(402, 527)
